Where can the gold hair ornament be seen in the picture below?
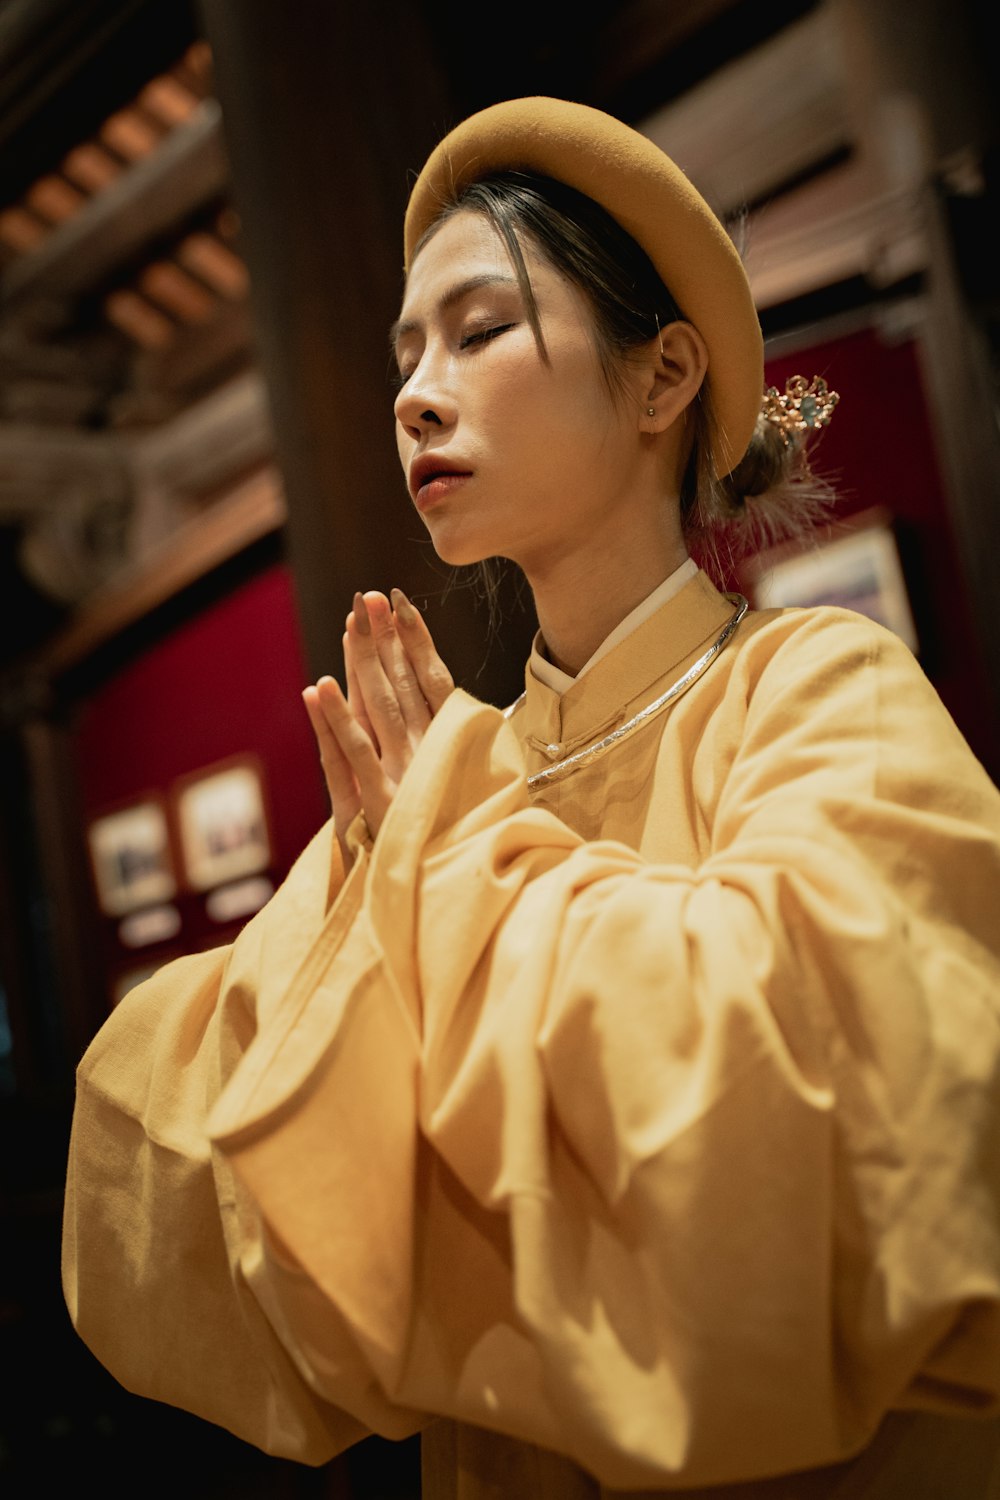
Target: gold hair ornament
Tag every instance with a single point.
(803, 407)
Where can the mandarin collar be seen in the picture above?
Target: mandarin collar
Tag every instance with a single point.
(630, 675)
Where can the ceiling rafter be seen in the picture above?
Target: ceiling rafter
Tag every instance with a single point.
(143, 204)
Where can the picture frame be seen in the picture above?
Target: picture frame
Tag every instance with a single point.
(131, 856)
(858, 568)
(222, 823)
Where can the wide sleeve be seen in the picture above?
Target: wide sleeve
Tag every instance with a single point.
(689, 1174)
(160, 1243)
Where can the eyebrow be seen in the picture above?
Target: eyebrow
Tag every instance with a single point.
(449, 298)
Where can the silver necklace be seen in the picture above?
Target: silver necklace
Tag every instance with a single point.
(624, 731)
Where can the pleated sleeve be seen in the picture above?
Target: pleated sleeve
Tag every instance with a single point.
(161, 1246)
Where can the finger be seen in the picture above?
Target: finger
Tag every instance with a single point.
(355, 697)
(378, 693)
(341, 782)
(353, 744)
(396, 664)
(436, 682)
(376, 791)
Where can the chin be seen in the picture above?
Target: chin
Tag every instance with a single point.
(460, 552)
(457, 558)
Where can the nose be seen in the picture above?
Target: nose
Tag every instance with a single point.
(425, 402)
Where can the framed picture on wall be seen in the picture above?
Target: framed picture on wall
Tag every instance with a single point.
(222, 823)
(131, 857)
(857, 569)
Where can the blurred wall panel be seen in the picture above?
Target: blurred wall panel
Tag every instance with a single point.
(225, 683)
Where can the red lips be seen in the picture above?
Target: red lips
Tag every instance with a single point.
(429, 468)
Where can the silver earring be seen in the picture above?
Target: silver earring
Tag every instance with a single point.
(650, 411)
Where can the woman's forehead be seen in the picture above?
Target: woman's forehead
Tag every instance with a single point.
(465, 243)
(467, 253)
(452, 264)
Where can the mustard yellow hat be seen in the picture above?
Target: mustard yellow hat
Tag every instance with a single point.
(651, 199)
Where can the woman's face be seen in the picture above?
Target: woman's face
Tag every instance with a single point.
(506, 453)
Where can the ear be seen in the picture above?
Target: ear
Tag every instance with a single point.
(675, 368)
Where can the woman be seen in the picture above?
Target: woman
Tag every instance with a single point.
(619, 1086)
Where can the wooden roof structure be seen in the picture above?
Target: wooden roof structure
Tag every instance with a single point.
(133, 399)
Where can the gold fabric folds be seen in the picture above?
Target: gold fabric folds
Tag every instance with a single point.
(652, 1122)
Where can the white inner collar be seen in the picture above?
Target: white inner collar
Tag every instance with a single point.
(559, 680)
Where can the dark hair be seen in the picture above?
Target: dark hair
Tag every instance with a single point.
(630, 304)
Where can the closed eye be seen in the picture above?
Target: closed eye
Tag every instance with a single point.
(475, 339)
(484, 335)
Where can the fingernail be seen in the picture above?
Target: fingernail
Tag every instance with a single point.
(403, 607)
(361, 615)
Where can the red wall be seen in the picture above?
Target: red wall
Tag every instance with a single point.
(225, 683)
(879, 451)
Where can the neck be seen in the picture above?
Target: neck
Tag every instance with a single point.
(580, 601)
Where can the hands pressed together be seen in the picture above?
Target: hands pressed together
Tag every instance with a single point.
(396, 682)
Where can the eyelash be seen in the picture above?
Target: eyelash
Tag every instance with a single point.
(484, 335)
(481, 336)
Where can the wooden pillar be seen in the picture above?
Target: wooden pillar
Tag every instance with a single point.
(920, 96)
(956, 364)
(70, 912)
(328, 111)
(17, 855)
(52, 968)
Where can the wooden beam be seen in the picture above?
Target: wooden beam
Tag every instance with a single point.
(253, 510)
(639, 33)
(148, 200)
(763, 120)
(843, 224)
(40, 463)
(225, 434)
(195, 357)
(65, 65)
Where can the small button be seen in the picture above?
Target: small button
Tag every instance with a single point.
(553, 751)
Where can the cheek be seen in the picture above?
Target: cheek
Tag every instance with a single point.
(544, 401)
(578, 391)
(576, 415)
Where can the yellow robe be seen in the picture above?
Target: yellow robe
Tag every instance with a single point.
(650, 1120)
